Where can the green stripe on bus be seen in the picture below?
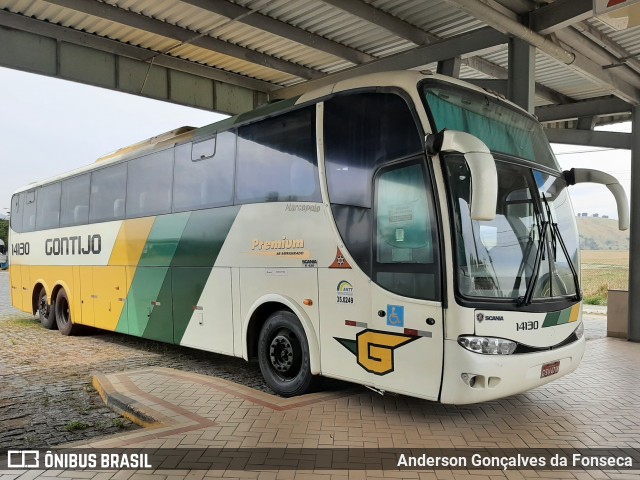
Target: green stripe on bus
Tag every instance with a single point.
(163, 240)
(148, 282)
(564, 316)
(551, 320)
(195, 257)
(172, 274)
(147, 285)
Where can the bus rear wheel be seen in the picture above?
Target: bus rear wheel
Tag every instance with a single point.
(63, 314)
(283, 354)
(46, 312)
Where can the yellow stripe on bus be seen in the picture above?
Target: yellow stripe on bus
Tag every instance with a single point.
(575, 311)
(111, 283)
(131, 240)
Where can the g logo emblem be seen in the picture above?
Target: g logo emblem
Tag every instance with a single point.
(375, 350)
(480, 317)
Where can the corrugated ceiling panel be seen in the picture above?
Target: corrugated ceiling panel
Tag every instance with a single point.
(438, 17)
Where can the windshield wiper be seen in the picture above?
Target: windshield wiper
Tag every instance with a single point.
(542, 243)
(556, 237)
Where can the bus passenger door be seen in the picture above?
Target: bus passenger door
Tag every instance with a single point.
(405, 343)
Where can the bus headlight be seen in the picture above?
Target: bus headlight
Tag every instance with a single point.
(487, 345)
(580, 331)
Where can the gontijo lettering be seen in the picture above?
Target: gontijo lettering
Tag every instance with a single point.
(77, 245)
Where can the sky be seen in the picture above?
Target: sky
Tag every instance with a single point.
(50, 126)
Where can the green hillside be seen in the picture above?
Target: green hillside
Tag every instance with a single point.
(601, 234)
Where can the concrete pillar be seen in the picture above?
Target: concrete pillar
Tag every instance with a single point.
(521, 85)
(450, 67)
(634, 241)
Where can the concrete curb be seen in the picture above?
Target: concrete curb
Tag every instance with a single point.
(125, 406)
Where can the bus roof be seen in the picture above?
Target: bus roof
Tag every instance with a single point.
(406, 79)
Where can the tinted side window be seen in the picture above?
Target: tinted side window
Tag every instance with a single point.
(74, 208)
(108, 188)
(406, 246)
(362, 131)
(17, 202)
(208, 182)
(29, 212)
(149, 184)
(48, 210)
(277, 159)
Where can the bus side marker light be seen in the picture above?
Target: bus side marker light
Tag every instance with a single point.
(308, 302)
(351, 323)
(417, 333)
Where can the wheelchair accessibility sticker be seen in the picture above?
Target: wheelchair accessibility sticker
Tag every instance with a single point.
(395, 316)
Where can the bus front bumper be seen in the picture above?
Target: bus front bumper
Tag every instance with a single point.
(471, 377)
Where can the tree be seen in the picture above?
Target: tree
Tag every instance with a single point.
(4, 231)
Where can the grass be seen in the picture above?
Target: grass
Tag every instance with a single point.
(74, 426)
(118, 423)
(24, 322)
(603, 270)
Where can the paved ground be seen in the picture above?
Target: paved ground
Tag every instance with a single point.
(598, 405)
(46, 397)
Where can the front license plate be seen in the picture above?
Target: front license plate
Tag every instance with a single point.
(549, 369)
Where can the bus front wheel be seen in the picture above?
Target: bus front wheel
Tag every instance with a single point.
(63, 314)
(283, 353)
(46, 312)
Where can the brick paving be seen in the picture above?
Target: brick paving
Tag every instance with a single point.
(46, 397)
(596, 406)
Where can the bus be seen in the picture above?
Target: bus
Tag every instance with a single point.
(3, 255)
(401, 230)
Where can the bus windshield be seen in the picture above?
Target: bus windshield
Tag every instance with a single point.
(499, 258)
(502, 128)
(530, 249)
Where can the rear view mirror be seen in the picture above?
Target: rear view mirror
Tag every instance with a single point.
(586, 175)
(484, 176)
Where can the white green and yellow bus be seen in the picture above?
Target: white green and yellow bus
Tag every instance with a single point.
(404, 231)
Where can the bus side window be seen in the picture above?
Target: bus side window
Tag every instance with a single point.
(363, 131)
(74, 208)
(29, 212)
(204, 182)
(17, 203)
(406, 255)
(48, 209)
(108, 188)
(149, 181)
(277, 160)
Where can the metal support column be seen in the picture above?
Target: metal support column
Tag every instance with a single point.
(634, 240)
(521, 86)
(450, 67)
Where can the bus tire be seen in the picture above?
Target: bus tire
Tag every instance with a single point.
(63, 314)
(46, 312)
(283, 353)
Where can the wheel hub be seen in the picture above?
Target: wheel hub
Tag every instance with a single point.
(43, 308)
(281, 353)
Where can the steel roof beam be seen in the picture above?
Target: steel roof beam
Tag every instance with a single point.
(559, 14)
(589, 137)
(183, 35)
(385, 20)
(418, 36)
(499, 85)
(569, 56)
(64, 34)
(596, 107)
(263, 22)
(442, 50)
